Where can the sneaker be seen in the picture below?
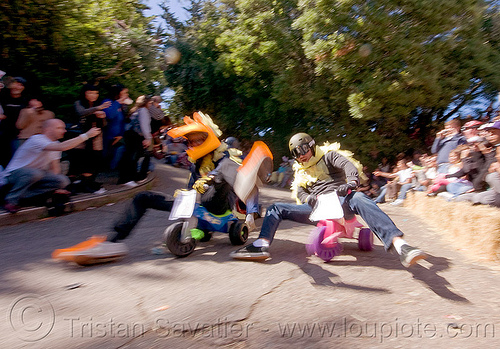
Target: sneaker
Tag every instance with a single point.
(12, 208)
(67, 253)
(101, 253)
(100, 191)
(250, 252)
(93, 251)
(250, 222)
(410, 255)
(397, 202)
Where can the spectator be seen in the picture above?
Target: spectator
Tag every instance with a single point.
(476, 164)
(446, 140)
(452, 182)
(492, 133)
(158, 120)
(384, 165)
(138, 142)
(492, 195)
(31, 119)
(13, 101)
(158, 117)
(87, 161)
(282, 177)
(35, 167)
(470, 130)
(427, 175)
(113, 146)
(403, 182)
(175, 152)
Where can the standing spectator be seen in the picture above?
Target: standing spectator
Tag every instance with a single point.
(35, 168)
(138, 142)
(13, 101)
(158, 120)
(158, 117)
(115, 125)
(87, 161)
(446, 140)
(470, 130)
(31, 119)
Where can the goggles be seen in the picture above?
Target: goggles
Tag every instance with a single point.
(300, 150)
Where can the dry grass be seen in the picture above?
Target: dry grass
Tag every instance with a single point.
(474, 229)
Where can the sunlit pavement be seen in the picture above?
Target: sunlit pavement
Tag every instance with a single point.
(358, 300)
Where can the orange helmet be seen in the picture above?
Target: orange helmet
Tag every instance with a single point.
(201, 123)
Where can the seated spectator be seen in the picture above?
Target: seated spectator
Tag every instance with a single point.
(35, 168)
(282, 177)
(31, 119)
(492, 195)
(384, 165)
(425, 177)
(475, 166)
(450, 182)
(175, 152)
(402, 182)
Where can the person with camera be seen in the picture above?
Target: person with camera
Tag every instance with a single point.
(446, 140)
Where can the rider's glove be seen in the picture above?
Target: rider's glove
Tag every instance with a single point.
(201, 185)
(311, 200)
(344, 189)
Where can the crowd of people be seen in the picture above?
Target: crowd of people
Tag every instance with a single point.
(112, 134)
(462, 166)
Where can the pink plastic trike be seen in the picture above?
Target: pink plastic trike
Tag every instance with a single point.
(323, 240)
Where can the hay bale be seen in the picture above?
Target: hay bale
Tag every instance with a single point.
(475, 229)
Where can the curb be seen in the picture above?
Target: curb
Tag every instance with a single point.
(78, 203)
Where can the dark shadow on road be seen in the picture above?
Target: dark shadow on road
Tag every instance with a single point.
(438, 284)
(218, 249)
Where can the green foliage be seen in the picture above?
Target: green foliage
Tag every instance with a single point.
(375, 75)
(59, 45)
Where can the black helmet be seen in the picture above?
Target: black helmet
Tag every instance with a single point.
(232, 142)
(300, 144)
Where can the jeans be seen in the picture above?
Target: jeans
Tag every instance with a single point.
(443, 167)
(30, 182)
(381, 197)
(135, 210)
(253, 203)
(354, 203)
(404, 189)
(457, 188)
(157, 201)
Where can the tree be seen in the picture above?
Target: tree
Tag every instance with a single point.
(403, 63)
(60, 44)
(375, 75)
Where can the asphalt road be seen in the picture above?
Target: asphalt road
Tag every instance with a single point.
(358, 300)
